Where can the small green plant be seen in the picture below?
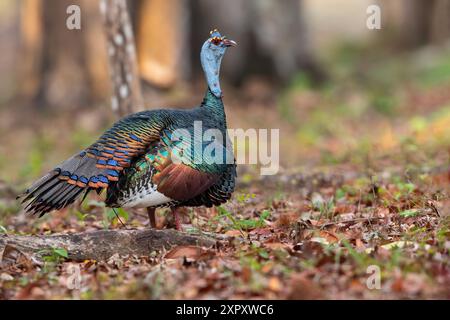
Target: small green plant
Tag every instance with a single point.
(340, 194)
(3, 229)
(361, 259)
(243, 224)
(112, 216)
(244, 197)
(405, 188)
(255, 258)
(409, 213)
(81, 216)
(325, 207)
(54, 255)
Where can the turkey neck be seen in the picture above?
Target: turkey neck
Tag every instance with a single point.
(211, 58)
(215, 109)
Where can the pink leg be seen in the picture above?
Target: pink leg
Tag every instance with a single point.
(176, 217)
(151, 217)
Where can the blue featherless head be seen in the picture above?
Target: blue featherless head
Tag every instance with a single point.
(211, 56)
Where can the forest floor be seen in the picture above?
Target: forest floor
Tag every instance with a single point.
(360, 208)
(301, 237)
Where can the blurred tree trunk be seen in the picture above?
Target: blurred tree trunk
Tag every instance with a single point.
(126, 91)
(440, 24)
(416, 23)
(161, 41)
(31, 49)
(60, 69)
(95, 52)
(416, 29)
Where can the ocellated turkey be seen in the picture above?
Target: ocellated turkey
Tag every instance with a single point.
(143, 165)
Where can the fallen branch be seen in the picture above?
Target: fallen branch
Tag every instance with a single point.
(102, 244)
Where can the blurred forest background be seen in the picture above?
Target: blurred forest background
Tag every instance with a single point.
(312, 68)
(364, 119)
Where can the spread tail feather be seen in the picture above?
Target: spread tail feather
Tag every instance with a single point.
(95, 167)
(64, 184)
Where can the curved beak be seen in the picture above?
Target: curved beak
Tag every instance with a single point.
(229, 43)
